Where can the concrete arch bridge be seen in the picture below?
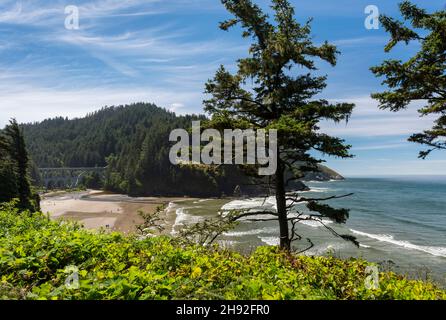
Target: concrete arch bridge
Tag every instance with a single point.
(66, 177)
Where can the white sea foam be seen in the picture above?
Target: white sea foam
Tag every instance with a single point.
(201, 200)
(183, 218)
(179, 219)
(317, 189)
(268, 203)
(170, 206)
(227, 243)
(271, 241)
(435, 251)
(315, 224)
(259, 204)
(311, 223)
(249, 232)
(325, 249)
(252, 203)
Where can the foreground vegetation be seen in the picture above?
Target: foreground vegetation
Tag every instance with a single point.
(36, 254)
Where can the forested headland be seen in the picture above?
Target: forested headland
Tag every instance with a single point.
(132, 142)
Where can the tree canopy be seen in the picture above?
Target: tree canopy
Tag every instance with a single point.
(422, 78)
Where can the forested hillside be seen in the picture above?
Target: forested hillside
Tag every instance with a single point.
(87, 142)
(133, 141)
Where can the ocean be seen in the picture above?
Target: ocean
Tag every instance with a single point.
(400, 223)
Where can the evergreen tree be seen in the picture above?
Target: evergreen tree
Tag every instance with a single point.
(15, 145)
(422, 78)
(92, 180)
(8, 183)
(279, 67)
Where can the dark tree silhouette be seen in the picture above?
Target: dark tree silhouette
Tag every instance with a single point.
(8, 182)
(14, 144)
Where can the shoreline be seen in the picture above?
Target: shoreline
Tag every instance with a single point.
(96, 209)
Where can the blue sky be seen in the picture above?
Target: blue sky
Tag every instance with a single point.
(164, 51)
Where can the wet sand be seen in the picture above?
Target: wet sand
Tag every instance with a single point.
(96, 209)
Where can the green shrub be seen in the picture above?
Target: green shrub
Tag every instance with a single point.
(35, 253)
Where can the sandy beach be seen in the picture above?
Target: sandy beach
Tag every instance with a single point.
(96, 209)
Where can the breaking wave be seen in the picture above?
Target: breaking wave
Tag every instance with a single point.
(435, 251)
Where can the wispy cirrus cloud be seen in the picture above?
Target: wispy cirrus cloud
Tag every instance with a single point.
(358, 41)
(158, 50)
(107, 61)
(380, 147)
(47, 13)
(29, 13)
(161, 42)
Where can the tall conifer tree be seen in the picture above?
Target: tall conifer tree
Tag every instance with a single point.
(275, 88)
(15, 145)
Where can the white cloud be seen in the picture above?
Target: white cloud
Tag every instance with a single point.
(110, 7)
(41, 103)
(29, 13)
(388, 167)
(176, 106)
(161, 48)
(156, 43)
(373, 40)
(368, 120)
(170, 69)
(48, 13)
(380, 147)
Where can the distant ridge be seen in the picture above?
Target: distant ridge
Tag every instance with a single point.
(325, 174)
